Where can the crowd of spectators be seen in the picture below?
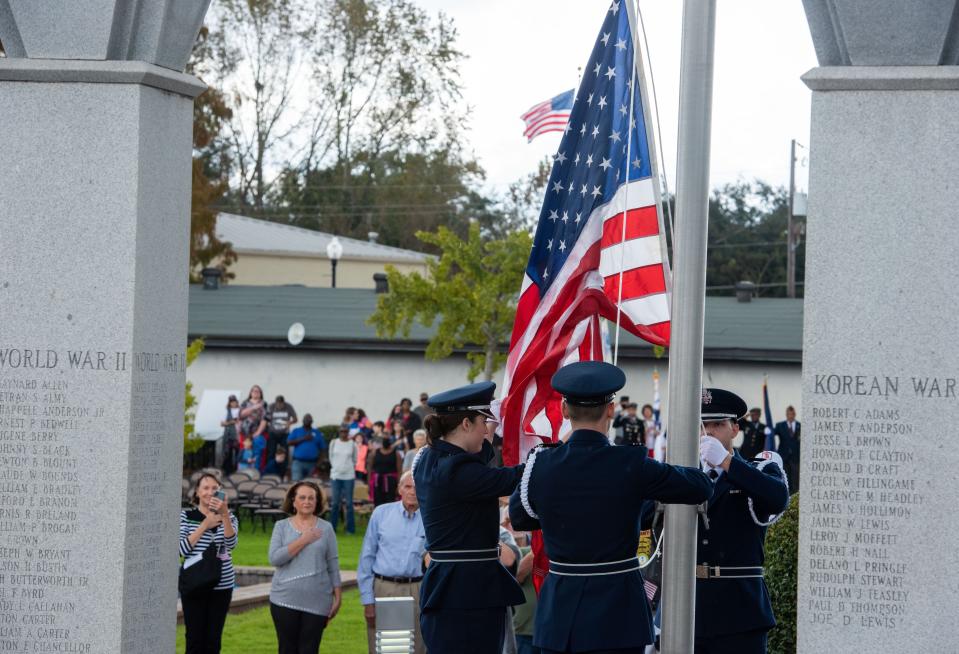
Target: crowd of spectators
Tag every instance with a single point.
(262, 435)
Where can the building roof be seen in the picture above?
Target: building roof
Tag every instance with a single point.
(255, 236)
(260, 316)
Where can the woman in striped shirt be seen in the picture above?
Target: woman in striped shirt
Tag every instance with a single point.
(208, 524)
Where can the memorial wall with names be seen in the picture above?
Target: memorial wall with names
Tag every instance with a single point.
(879, 459)
(863, 496)
(70, 460)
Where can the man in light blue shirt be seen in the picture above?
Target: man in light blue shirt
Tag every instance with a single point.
(391, 562)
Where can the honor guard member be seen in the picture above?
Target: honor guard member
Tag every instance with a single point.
(754, 435)
(466, 590)
(733, 612)
(586, 495)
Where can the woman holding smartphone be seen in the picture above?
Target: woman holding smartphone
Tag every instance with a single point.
(208, 523)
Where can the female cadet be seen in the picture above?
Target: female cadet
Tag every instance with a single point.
(465, 591)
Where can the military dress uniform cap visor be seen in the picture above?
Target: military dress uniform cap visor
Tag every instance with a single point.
(719, 404)
(474, 397)
(589, 383)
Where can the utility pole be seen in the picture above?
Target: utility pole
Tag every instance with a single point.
(790, 231)
(688, 305)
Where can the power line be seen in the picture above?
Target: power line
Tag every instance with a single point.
(744, 245)
(337, 208)
(732, 287)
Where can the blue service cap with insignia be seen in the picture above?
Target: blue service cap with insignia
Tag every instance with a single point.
(473, 397)
(719, 404)
(589, 383)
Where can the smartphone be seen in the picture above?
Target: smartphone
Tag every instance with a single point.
(220, 495)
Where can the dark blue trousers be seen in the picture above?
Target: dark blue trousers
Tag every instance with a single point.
(749, 642)
(463, 631)
(628, 650)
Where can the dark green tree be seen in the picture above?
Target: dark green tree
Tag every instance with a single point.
(397, 195)
(747, 239)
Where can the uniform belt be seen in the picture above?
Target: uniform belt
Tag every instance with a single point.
(594, 569)
(464, 556)
(398, 580)
(728, 572)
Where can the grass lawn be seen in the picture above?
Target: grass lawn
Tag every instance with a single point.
(252, 632)
(253, 547)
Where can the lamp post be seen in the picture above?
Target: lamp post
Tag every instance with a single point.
(334, 250)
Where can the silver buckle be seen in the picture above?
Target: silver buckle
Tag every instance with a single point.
(707, 571)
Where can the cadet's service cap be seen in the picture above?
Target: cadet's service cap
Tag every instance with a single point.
(589, 383)
(473, 397)
(719, 404)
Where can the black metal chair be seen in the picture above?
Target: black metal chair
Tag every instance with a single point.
(273, 500)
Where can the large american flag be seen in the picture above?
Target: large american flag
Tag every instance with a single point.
(549, 116)
(602, 169)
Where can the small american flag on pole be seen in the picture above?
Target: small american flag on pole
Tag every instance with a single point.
(549, 116)
(599, 249)
(651, 589)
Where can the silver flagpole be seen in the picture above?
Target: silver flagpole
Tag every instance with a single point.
(689, 288)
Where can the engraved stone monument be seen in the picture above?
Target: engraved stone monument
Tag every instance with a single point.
(877, 548)
(95, 173)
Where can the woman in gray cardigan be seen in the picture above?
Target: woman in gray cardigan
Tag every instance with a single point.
(306, 584)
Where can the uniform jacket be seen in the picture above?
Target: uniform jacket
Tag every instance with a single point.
(459, 501)
(754, 439)
(729, 606)
(788, 443)
(588, 496)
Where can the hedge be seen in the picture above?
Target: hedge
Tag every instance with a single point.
(782, 562)
(329, 432)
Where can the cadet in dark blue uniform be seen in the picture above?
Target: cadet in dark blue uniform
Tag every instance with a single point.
(465, 591)
(733, 612)
(586, 496)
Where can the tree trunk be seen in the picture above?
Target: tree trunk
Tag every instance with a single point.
(490, 357)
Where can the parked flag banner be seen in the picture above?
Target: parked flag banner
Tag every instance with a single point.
(599, 244)
(549, 116)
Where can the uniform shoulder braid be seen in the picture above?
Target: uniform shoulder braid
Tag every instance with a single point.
(416, 459)
(761, 461)
(527, 474)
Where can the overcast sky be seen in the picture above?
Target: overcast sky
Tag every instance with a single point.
(523, 52)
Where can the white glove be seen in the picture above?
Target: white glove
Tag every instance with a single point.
(712, 451)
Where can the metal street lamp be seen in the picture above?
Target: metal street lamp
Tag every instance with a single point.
(334, 250)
